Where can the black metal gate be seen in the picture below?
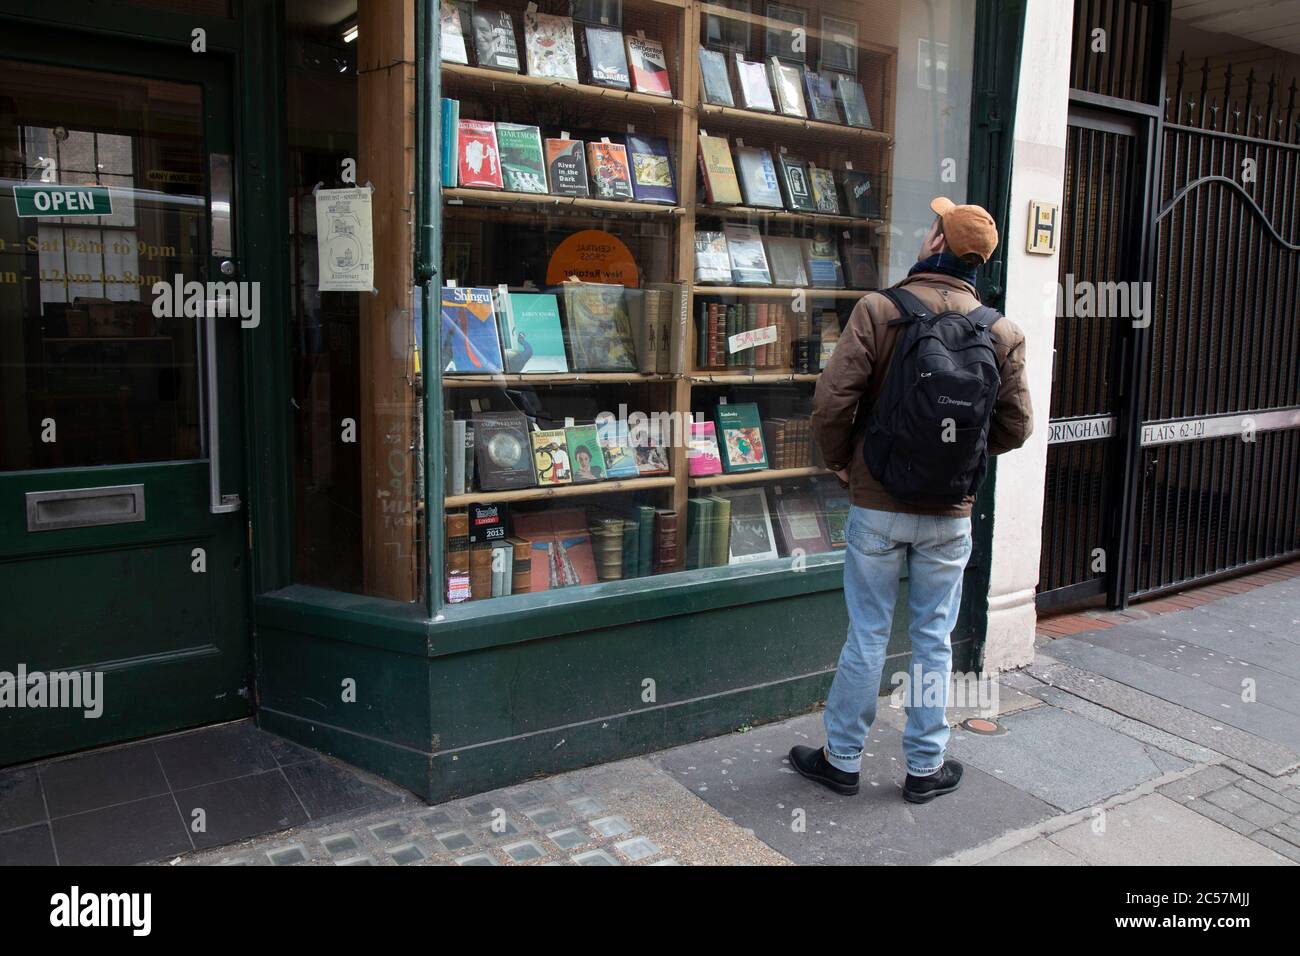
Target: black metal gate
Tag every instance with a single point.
(1174, 451)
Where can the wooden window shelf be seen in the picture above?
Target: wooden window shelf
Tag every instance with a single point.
(753, 477)
(560, 491)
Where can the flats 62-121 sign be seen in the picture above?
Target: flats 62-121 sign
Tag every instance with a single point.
(40, 200)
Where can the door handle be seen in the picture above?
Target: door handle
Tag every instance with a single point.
(218, 503)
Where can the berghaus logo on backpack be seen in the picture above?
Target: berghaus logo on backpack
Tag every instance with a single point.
(927, 437)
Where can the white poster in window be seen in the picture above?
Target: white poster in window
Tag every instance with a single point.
(344, 239)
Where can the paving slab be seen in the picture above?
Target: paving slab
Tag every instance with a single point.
(747, 779)
(1154, 831)
(1062, 758)
(1217, 735)
(1225, 706)
(1188, 751)
(1039, 852)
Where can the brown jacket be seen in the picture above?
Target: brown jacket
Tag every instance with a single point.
(858, 367)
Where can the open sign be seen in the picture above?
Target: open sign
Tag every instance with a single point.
(36, 201)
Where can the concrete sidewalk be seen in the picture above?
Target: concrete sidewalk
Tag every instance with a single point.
(1172, 740)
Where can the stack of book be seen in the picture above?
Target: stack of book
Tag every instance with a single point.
(789, 441)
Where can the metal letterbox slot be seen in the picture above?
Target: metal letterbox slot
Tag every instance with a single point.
(84, 507)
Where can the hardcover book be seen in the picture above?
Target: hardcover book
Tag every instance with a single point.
(785, 254)
(859, 260)
(715, 84)
(551, 460)
(652, 169)
(502, 451)
(751, 79)
(494, 40)
(584, 453)
(566, 167)
(450, 122)
(721, 186)
(606, 59)
(758, 181)
(784, 42)
(608, 171)
(860, 199)
(452, 40)
(740, 437)
(751, 526)
(523, 169)
(854, 102)
(823, 190)
(469, 332)
(480, 162)
(600, 332)
(457, 535)
(559, 543)
(748, 260)
(821, 97)
(666, 545)
(799, 522)
(702, 457)
(788, 85)
(720, 534)
(649, 66)
(712, 263)
(824, 267)
(531, 336)
(795, 183)
(549, 46)
(835, 504)
(620, 459)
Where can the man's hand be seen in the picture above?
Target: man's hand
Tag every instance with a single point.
(843, 475)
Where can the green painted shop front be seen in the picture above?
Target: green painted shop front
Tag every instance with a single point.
(456, 699)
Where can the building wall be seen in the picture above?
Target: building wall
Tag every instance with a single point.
(1038, 172)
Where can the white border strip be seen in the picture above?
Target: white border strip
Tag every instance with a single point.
(1218, 426)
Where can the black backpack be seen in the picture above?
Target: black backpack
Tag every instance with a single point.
(927, 437)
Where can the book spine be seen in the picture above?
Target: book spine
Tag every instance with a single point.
(457, 530)
(702, 356)
(480, 571)
(761, 358)
(665, 560)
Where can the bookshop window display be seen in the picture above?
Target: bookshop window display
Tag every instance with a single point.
(656, 220)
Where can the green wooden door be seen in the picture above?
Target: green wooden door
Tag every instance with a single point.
(122, 552)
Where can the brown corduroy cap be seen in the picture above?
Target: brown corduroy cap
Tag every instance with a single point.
(966, 229)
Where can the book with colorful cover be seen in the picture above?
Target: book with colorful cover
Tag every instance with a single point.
(494, 40)
(721, 185)
(748, 259)
(758, 181)
(531, 335)
(560, 542)
(649, 66)
(585, 454)
(702, 457)
(821, 97)
(652, 169)
(751, 78)
(479, 158)
(450, 117)
(599, 327)
(549, 47)
(715, 84)
(523, 169)
(789, 87)
(469, 332)
(551, 462)
(452, 41)
(824, 268)
(740, 437)
(566, 167)
(859, 259)
(606, 57)
(608, 171)
(835, 503)
(620, 458)
(651, 454)
(823, 190)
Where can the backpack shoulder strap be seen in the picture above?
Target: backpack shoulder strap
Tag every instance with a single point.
(985, 317)
(910, 307)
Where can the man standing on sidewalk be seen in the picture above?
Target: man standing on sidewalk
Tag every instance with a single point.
(924, 385)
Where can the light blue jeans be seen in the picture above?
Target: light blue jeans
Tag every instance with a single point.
(936, 551)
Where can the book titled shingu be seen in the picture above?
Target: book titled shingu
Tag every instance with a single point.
(469, 332)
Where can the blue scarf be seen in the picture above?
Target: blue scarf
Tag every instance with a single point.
(946, 263)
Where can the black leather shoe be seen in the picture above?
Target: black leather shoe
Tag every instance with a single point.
(811, 763)
(924, 789)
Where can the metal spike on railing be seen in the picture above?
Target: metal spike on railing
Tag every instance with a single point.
(1290, 111)
(1205, 88)
(1178, 87)
(1268, 108)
